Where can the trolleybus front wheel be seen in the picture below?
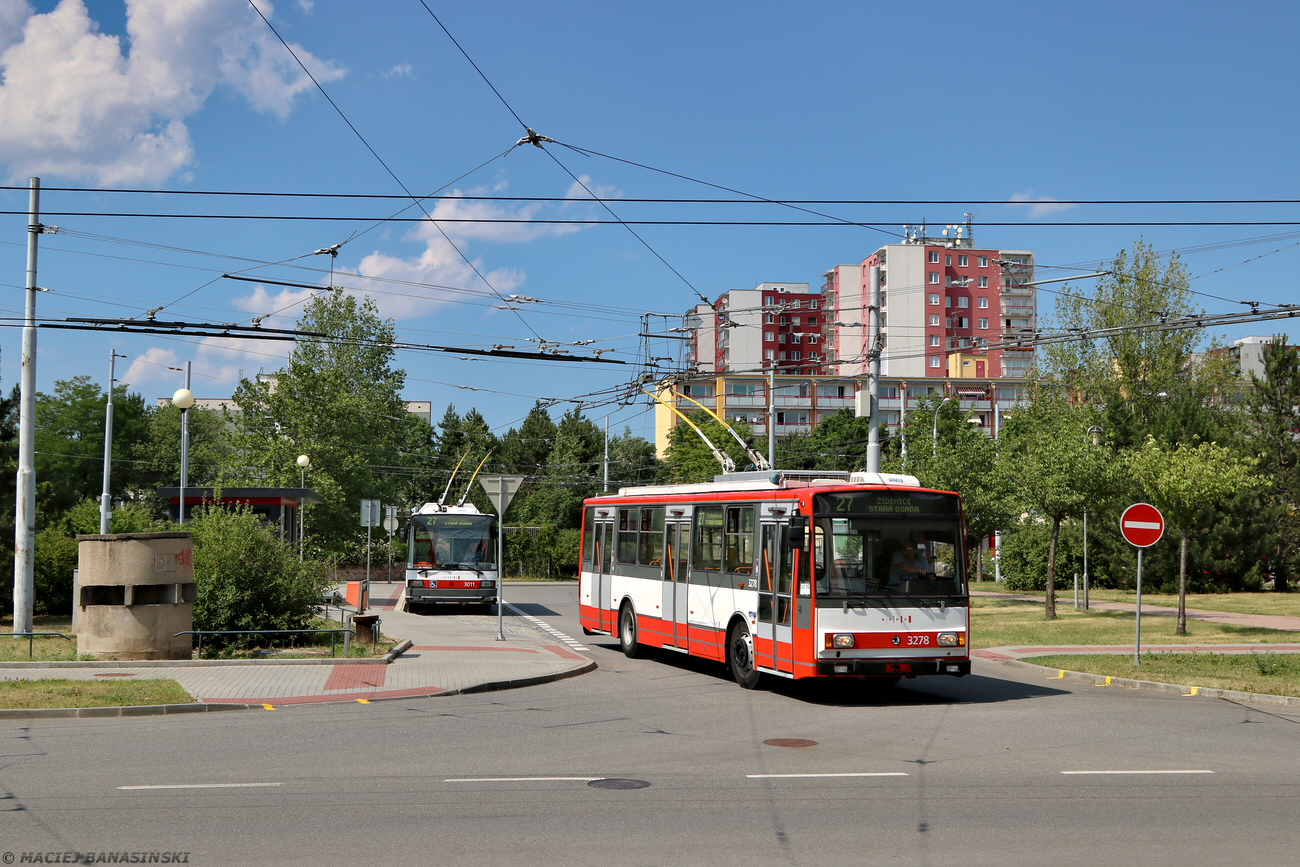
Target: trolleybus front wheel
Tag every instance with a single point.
(740, 654)
(627, 632)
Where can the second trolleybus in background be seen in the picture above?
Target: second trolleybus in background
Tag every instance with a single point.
(451, 557)
(794, 574)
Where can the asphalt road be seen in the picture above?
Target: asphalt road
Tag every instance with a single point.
(1001, 767)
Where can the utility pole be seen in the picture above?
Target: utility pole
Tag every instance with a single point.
(771, 413)
(25, 518)
(105, 498)
(873, 369)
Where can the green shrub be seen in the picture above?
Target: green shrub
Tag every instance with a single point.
(1024, 557)
(247, 578)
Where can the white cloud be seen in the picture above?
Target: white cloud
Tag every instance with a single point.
(149, 371)
(1040, 206)
(402, 69)
(78, 103)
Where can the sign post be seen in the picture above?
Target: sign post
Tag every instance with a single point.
(370, 510)
(1142, 525)
(500, 490)
(390, 524)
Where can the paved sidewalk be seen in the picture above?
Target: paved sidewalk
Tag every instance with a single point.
(450, 653)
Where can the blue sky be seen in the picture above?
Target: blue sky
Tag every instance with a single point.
(975, 102)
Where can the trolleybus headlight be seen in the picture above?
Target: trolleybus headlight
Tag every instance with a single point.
(487, 584)
(842, 641)
(952, 639)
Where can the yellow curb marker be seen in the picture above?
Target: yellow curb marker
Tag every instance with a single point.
(1108, 680)
(1060, 673)
(269, 706)
(1195, 691)
(363, 701)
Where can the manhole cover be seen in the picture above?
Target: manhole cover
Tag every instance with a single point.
(790, 742)
(618, 784)
(117, 674)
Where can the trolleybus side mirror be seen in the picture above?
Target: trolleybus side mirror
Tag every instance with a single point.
(797, 532)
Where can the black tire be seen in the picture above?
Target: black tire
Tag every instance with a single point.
(740, 655)
(627, 632)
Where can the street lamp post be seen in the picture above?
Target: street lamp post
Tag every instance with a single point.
(935, 442)
(304, 461)
(184, 399)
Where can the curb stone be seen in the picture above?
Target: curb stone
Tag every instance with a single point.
(386, 659)
(1130, 683)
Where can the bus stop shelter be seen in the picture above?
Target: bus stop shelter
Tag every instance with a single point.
(277, 506)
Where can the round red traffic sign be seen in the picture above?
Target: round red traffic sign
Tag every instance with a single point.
(1142, 525)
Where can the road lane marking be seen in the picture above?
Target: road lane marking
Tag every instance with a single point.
(1136, 772)
(205, 786)
(798, 776)
(518, 779)
(549, 629)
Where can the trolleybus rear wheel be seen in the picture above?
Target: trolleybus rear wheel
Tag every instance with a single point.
(740, 654)
(627, 632)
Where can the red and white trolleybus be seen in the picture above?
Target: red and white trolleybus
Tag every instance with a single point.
(796, 574)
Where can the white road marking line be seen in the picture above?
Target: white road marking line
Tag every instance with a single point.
(206, 786)
(792, 776)
(518, 779)
(550, 630)
(1097, 773)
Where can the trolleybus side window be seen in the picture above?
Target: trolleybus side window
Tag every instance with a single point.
(650, 548)
(708, 538)
(588, 539)
(628, 520)
(740, 539)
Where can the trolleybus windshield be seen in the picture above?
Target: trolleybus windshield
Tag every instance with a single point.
(453, 542)
(882, 544)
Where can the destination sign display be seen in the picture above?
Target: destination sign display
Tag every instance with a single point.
(883, 503)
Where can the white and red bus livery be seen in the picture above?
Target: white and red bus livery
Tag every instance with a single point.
(796, 574)
(451, 554)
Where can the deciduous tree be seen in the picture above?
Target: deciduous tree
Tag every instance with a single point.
(1183, 483)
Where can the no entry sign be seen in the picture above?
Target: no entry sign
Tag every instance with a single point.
(1142, 525)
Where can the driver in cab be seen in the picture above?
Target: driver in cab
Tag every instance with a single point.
(908, 563)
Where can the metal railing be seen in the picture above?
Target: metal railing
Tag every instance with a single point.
(32, 635)
(347, 635)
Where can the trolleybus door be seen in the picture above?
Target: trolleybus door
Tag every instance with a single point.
(602, 593)
(676, 588)
(775, 608)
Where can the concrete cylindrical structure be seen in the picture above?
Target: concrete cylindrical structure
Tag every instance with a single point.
(136, 591)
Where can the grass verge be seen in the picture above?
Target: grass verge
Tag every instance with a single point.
(998, 621)
(1287, 604)
(1266, 673)
(28, 694)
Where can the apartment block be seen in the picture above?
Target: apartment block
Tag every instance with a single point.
(943, 302)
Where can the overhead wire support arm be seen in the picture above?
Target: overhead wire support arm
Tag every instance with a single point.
(534, 139)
